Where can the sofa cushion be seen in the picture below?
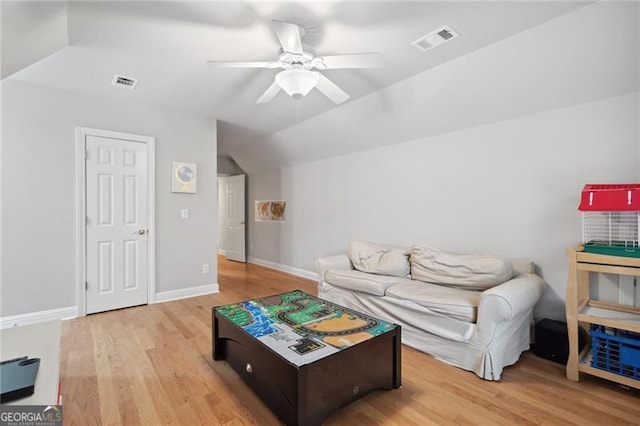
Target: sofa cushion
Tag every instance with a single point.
(379, 259)
(522, 266)
(453, 302)
(362, 281)
(466, 271)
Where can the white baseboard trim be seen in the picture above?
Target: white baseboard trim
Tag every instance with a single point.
(184, 293)
(72, 312)
(222, 252)
(41, 316)
(284, 268)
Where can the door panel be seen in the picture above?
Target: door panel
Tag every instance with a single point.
(130, 200)
(105, 200)
(116, 227)
(131, 264)
(105, 267)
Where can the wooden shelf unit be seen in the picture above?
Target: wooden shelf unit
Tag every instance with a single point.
(583, 311)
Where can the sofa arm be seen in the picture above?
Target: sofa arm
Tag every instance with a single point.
(504, 302)
(514, 296)
(324, 264)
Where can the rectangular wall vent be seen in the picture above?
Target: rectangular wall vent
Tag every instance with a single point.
(445, 34)
(126, 82)
(435, 38)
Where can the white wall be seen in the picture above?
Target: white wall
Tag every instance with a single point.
(30, 31)
(38, 193)
(486, 153)
(264, 238)
(508, 188)
(228, 167)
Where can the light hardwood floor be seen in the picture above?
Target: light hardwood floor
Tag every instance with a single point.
(152, 365)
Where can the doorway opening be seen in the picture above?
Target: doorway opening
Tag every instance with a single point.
(231, 210)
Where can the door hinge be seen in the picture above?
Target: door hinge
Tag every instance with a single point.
(86, 286)
(86, 154)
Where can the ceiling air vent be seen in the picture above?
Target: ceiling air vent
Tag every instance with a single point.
(435, 38)
(126, 82)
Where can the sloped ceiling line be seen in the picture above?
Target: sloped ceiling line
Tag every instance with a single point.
(31, 31)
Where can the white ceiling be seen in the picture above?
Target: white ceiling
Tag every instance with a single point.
(167, 44)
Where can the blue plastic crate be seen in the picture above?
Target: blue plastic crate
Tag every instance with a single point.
(616, 351)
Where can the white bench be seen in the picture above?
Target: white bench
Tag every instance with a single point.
(42, 341)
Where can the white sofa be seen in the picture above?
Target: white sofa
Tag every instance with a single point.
(459, 322)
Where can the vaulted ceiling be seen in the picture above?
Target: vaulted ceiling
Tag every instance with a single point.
(79, 46)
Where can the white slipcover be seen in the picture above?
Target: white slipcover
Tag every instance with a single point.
(465, 271)
(481, 332)
(362, 281)
(379, 259)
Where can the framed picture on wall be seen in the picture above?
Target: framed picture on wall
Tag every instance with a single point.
(262, 211)
(278, 211)
(271, 211)
(183, 177)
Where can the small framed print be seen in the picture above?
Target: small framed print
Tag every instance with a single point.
(183, 177)
(278, 211)
(271, 211)
(262, 211)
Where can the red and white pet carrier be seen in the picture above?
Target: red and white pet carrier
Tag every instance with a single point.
(611, 219)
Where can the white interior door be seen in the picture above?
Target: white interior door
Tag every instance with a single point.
(222, 215)
(117, 249)
(235, 217)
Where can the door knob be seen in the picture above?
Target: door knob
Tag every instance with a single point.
(141, 231)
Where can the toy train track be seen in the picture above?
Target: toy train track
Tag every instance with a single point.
(285, 318)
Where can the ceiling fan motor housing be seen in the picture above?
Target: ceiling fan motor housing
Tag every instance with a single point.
(293, 60)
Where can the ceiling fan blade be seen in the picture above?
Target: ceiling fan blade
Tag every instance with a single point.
(331, 91)
(359, 60)
(269, 94)
(289, 36)
(241, 64)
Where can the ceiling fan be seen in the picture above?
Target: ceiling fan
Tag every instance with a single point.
(298, 76)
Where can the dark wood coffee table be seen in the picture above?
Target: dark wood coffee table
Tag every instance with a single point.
(306, 357)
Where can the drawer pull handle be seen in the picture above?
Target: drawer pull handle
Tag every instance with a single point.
(249, 368)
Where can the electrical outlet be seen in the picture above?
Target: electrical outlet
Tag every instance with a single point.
(205, 268)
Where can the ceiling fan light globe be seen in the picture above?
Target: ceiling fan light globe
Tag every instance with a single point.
(297, 83)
